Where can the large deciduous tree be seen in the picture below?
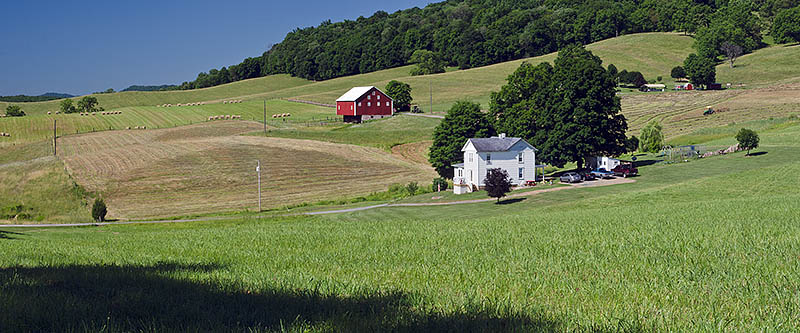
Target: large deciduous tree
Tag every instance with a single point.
(427, 62)
(748, 139)
(67, 106)
(700, 69)
(731, 50)
(786, 27)
(89, 104)
(569, 111)
(463, 121)
(677, 72)
(400, 93)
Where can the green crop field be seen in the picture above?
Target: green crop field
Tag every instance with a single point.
(709, 245)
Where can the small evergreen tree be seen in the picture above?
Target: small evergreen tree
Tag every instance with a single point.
(99, 210)
(748, 139)
(497, 183)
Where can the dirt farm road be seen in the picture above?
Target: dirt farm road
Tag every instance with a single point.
(596, 183)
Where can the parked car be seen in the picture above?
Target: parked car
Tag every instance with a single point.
(625, 170)
(586, 175)
(602, 173)
(570, 177)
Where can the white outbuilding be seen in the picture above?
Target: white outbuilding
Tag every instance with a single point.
(514, 155)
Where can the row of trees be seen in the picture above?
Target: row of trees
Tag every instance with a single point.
(482, 32)
(569, 111)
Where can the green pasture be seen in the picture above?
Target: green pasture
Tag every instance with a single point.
(381, 133)
(774, 64)
(709, 245)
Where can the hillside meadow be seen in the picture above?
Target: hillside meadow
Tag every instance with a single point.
(709, 245)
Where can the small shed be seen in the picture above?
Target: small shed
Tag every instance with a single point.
(604, 162)
(684, 86)
(653, 87)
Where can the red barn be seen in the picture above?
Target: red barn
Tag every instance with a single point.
(364, 103)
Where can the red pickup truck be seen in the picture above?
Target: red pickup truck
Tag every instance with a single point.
(625, 170)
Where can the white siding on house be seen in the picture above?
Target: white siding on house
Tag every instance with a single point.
(476, 166)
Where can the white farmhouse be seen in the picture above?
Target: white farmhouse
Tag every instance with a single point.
(514, 155)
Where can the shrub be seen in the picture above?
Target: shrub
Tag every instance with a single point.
(412, 188)
(651, 139)
(439, 184)
(678, 72)
(14, 111)
(99, 210)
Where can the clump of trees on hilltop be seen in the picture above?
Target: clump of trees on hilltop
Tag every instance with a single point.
(477, 33)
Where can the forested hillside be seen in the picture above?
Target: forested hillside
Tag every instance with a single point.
(475, 33)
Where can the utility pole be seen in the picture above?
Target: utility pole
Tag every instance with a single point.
(54, 137)
(258, 170)
(265, 119)
(430, 86)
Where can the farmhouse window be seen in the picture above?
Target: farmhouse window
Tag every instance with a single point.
(351, 106)
(519, 158)
(373, 93)
(470, 157)
(379, 103)
(338, 107)
(521, 172)
(359, 103)
(369, 103)
(379, 97)
(488, 158)
(369, 97)
(461, 172)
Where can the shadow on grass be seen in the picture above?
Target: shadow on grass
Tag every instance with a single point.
(510, 201)
(645, 162)
(9, 234)
(161, 298)
(758, 153)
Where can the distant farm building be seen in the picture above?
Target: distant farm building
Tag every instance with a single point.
(514, 155)
(652, 87)
(364, 103)
(685, 86)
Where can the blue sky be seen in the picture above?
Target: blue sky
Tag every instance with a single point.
(78, 47)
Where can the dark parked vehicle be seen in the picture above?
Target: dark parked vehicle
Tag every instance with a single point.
(625, 170)
(586, 175)
(570, 177)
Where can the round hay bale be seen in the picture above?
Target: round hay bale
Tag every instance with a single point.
(144, 127)
(57, 112)
(127, 128)
(48, 112)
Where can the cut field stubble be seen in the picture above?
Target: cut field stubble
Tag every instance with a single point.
(176, 171)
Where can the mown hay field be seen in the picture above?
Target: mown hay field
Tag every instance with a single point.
(709, 245)
(39, 127)
(211, 168)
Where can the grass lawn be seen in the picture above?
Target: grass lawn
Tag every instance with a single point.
(709, 245)
(382, 133)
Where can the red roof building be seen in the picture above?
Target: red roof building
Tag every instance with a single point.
(364, 103)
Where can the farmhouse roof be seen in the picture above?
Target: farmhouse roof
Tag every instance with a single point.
(496, 143)
(355, 93)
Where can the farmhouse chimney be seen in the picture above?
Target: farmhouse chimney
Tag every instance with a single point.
(501, 135)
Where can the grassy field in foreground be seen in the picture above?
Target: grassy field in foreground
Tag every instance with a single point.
(709, 245)
(40, 127)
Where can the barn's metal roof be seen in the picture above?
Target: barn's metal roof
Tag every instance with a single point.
(353, 94)
(495, 143)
